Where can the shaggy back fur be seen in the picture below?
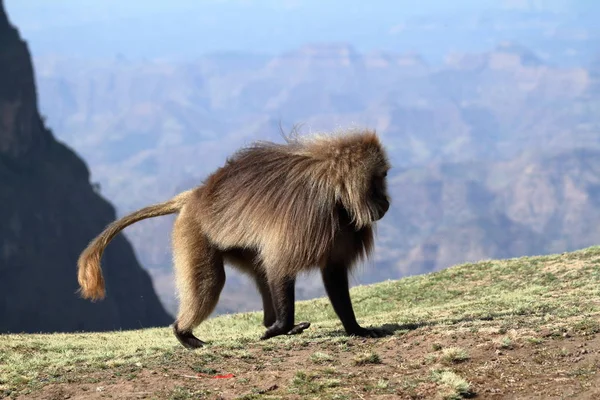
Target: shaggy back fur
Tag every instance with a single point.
(283, 199)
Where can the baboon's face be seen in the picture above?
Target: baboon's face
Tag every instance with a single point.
(379, 199)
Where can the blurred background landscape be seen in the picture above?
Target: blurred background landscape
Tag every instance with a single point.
(490, 111)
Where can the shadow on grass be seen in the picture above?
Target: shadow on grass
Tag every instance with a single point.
(390, 329)
(384, 330)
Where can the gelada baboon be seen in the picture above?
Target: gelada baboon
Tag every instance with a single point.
(273, 210)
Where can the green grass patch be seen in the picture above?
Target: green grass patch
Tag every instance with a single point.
(454, 387)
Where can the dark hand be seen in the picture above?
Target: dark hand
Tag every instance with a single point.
(367, 332)
(276, 330)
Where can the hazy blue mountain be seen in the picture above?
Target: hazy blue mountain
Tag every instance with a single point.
(490, 110)
(459, 136)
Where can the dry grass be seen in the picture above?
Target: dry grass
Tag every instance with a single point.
(367, 358)
(454, 355)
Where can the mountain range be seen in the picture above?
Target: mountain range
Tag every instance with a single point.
(494, 153)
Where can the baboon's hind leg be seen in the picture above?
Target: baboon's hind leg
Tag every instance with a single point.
(200, 277)
(282, 291)
(246, 261)
(269, 315)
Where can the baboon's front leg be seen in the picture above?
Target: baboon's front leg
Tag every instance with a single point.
(335, 278)
(282, 292)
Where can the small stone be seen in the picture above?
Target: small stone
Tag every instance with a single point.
(498, 352)
(545, 333)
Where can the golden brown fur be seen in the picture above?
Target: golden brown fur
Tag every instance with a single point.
(273, 210)
(89, 273)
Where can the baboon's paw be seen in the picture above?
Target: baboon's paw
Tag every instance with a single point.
(277, 329)
(299, 328)
(187, 339)
(368, 332)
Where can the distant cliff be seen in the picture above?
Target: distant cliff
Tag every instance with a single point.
(49, 211)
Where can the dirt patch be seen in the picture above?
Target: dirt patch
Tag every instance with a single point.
(425, 363)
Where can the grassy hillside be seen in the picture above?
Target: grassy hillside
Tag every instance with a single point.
(495, 329)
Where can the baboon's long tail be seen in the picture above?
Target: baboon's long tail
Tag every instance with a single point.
(89, 271)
